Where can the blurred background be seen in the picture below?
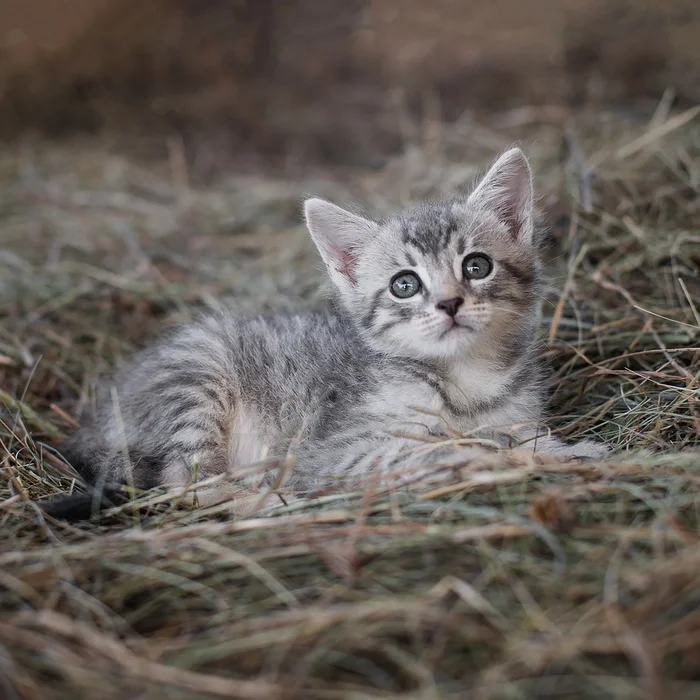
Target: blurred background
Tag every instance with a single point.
(333, 81)
(154, 155)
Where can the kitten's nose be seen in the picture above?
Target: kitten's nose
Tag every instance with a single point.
(450, 306)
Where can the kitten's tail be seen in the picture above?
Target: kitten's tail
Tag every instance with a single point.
(83, 506)
(96, 493)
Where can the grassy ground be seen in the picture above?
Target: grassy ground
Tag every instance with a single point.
(520, 581)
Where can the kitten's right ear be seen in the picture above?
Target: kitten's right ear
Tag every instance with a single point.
(339, 235)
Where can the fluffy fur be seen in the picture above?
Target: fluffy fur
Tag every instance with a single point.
(340, 386)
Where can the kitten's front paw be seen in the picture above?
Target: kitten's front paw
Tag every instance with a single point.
(583, 451)
(589, 451)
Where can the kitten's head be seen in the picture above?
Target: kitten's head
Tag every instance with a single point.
(440, 280)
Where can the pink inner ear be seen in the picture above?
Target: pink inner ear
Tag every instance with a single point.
(347, 261)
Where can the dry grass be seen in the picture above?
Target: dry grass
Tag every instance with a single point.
(521, 581)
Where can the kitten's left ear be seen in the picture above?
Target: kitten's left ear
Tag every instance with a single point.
(507, 190)
(339, 235)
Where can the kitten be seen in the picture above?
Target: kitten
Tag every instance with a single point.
(434, 309)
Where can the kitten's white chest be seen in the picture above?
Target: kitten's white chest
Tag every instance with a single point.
(476, 381)
(455, 402)
(476, 395)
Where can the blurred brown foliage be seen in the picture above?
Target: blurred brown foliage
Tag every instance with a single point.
(330, 80)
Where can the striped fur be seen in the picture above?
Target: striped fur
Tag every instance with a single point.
(340, 386)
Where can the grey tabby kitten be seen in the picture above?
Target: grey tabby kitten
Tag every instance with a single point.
(430, 331)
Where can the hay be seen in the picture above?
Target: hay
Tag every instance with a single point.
(517, 581)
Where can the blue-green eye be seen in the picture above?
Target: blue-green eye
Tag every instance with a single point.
(476, 266)
(405, 285)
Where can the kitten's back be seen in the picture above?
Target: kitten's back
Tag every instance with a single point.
(226, 389)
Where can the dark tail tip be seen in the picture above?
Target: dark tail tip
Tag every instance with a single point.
(83, 506)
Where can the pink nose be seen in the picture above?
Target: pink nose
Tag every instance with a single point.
(450, 306)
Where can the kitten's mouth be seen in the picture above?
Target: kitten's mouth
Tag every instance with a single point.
(457, 326)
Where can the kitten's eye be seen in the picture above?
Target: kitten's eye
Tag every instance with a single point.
(476, 266)
(405, 284)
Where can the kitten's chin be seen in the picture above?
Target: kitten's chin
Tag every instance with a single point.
(444, 347)
(440, 345)
(453, 343)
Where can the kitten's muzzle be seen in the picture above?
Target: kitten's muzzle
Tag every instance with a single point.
(450, 306)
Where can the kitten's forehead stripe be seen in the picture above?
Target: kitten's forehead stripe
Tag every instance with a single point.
(428, 228)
